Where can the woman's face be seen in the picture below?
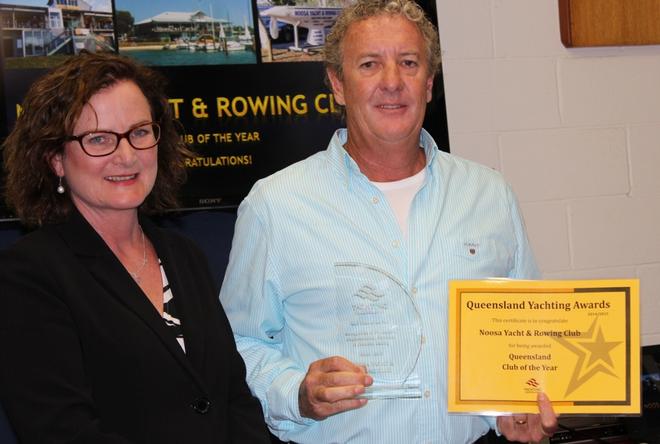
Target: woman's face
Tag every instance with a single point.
(104, 186)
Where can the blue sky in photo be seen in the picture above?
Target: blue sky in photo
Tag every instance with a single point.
(97, 5)
(236, 10)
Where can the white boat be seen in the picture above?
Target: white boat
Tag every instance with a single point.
(182, 44)
(211, 46)
(246, 38)
(208, 43)
(233, 45)
(317, 20)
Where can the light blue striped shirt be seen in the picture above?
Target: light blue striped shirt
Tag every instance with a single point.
(279, 289)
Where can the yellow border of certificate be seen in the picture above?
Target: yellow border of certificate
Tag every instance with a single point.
(578, 341)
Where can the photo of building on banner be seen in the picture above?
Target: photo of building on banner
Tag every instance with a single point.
(186, 32)
(40, 33)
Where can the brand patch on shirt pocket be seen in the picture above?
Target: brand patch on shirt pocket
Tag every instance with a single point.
(483, 249)
(471, 248)
(476, 258)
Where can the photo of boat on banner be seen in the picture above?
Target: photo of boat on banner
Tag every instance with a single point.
(186, 32)
(292, 31)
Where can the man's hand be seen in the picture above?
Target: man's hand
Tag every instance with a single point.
(330, 386)
(526, 428)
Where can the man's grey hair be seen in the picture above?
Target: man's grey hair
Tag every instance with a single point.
(364, 9)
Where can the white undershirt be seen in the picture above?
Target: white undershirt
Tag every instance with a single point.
(400, 194)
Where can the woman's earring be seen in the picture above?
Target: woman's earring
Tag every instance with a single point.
(60, 187)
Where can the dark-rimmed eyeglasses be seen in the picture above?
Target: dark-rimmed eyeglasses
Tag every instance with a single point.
(104, 143)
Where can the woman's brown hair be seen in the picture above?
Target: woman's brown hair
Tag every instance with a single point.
(50, 111)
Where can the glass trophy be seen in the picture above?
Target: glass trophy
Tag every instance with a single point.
(379, 327)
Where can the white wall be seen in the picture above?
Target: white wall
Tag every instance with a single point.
(575, 131)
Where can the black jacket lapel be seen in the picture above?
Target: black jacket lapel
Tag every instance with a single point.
(180, 280)
(108, 271)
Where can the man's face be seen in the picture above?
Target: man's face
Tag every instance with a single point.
(386, 82)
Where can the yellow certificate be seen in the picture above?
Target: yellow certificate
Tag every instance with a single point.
(577, 341)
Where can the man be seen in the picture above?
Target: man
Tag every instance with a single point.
(382, 194)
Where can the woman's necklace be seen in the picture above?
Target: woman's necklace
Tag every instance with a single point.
(136, 274)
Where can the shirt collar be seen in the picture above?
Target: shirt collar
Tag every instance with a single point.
(349, 169)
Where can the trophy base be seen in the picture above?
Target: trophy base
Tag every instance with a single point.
(392, 391)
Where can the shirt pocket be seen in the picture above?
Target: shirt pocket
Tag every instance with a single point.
(481, 258)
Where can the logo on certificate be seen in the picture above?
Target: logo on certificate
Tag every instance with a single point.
(532, 386)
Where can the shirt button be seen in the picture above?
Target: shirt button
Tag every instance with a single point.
(395, 243)
(375, 199)
(414, 290)
(423, 339)
(201, 405)
(427, 393)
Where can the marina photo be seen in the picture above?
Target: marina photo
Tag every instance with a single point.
(186, 32)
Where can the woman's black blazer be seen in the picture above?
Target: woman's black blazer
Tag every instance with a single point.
(85, 357)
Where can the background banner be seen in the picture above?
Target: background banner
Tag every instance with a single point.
(245, 83)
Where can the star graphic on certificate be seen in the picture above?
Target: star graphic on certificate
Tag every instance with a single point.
(591, 347)
(599, 349)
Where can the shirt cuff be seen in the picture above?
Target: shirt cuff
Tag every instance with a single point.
(492, 422)
(283, 400)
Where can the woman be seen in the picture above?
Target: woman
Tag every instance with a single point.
(110, 328)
